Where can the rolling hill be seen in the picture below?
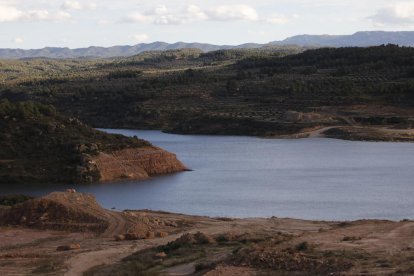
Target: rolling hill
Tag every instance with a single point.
(359, 39)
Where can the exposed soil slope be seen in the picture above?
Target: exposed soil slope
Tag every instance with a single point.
(61, 211)
(138, 163)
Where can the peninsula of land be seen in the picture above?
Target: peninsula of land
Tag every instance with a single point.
(39, 145)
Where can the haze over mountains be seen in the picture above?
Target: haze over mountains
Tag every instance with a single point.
(359, 39)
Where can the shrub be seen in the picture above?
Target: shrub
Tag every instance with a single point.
(303, 246)
(351, 238)
(10, 200)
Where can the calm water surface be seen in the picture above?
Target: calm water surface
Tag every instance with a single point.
(252, 177)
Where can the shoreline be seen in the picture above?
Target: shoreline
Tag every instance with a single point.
(339, 132)
(128, 236)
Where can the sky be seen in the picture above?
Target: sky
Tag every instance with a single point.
(81, 23)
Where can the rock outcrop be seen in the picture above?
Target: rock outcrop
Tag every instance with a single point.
(136, 163)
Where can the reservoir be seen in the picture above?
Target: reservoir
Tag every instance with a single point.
(318, 178)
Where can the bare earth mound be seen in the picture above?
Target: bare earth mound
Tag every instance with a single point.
(59, 211)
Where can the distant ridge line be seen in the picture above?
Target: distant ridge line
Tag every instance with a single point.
(359, 39)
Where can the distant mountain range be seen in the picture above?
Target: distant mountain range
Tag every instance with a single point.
(359, 39)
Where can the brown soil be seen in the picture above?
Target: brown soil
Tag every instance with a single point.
(139, 163)
(60, 211)
(370, 133)
(251, 246)
(231, 270)
(356, 133)
(359, 123)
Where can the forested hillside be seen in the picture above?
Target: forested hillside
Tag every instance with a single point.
(267, 92)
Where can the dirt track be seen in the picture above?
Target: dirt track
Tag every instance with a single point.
(387, 246)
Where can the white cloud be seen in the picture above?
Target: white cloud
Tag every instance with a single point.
(161, 15)
(92, 6)
(12, 14)
(75, 5)
(169, 19)
(159, 10)
(137, 18)
(18, 40)
(60, 16)
(140, 38)
(280, 19)
(9, 14)
(234, 12)
(37, 15)
(196, 13)
(71, 5)
(401, 13)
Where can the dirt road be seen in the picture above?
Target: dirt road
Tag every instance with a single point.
(374, 247)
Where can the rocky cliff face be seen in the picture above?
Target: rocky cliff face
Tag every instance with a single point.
(135, 163)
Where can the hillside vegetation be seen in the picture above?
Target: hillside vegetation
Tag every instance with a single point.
(268, 92)
(38, 145)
